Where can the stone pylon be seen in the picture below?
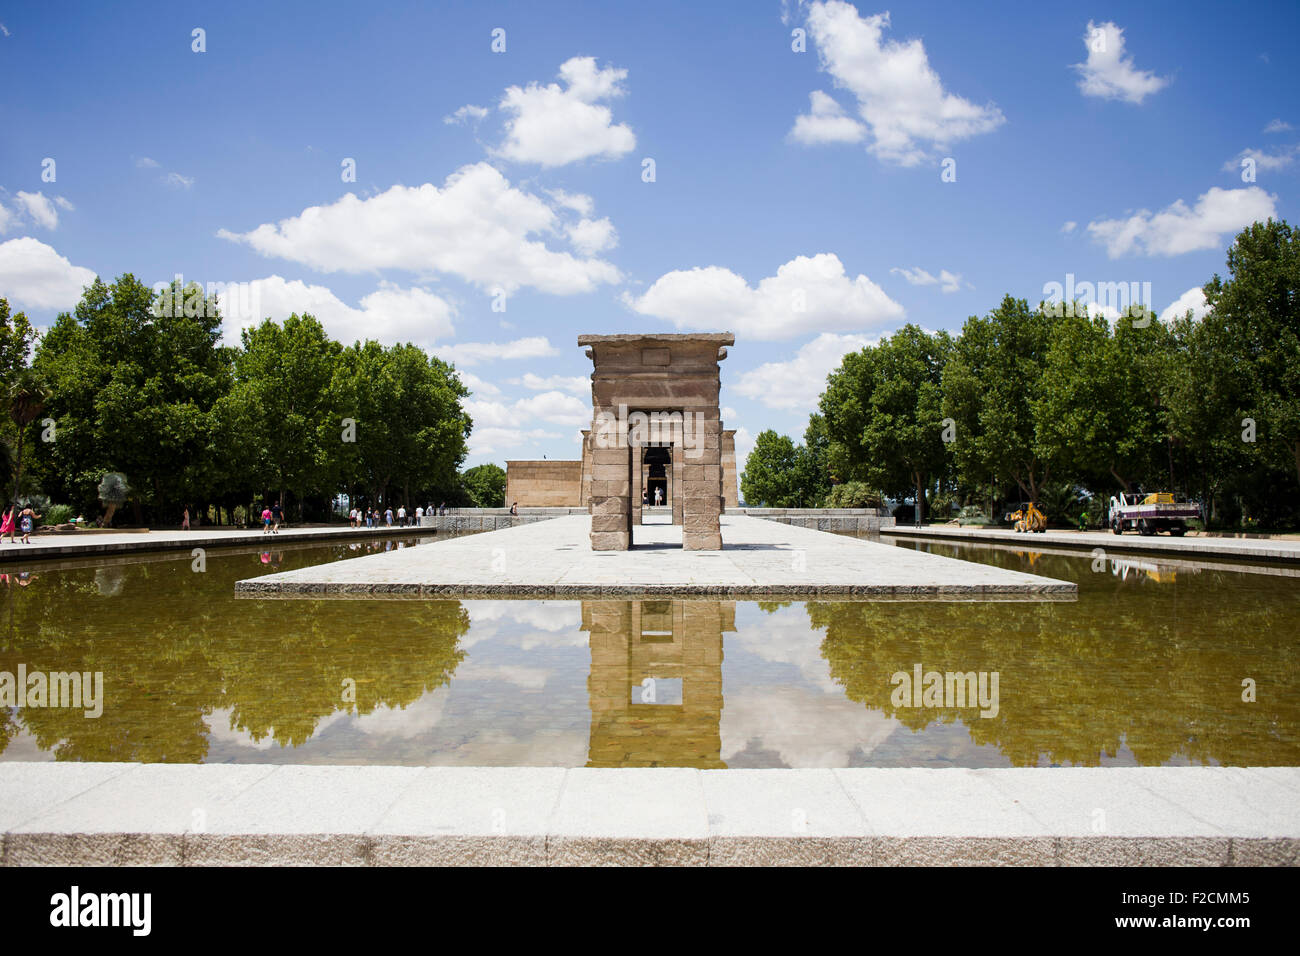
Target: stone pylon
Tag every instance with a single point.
(656, 390)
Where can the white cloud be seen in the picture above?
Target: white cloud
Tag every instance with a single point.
(807, 294)
(727, 413)
(1179, 228)
(179, 181)
(1069, 227)
(477, 385)
(899, 95)
(579, 385)
(590, 236)
(799, 382)
(34, 275)
(472, 353)
(950, 281)
(40, 209)
(554, 408)
(826, 123)
(554, 125)
(1268, 161)
(390, 314)
(493, 440)
(477, 227)
(7, 219)
(467, 113)
(1278, 126)
(580, 203)
(744, 445)
(1193, 299)
(1108, 73)
(144, 162)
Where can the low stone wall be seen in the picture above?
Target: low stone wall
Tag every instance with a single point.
(855, 520)
(464, 520)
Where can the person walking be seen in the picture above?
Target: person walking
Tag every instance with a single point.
(514, 507)
(401, 516)
(7, 524)
(266, 520)
(277, 517)
(185, 520)
(388, 516)
(419, 515)
(26, 523)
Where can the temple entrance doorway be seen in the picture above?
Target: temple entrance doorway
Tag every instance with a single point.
(656, 466)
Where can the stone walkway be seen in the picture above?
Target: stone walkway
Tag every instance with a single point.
(1251, 549)
(79, 814)
(760, 558)
(123, 542)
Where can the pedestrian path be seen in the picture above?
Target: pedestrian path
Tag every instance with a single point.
(759, 558)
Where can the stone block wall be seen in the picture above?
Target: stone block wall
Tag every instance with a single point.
(544, 484)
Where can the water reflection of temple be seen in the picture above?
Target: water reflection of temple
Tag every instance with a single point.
(656, 682)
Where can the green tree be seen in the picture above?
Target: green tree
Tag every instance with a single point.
(768, 479)
(1098, 411)
(884, 414)
(132, 388)
(1255, 319)
(282, 396)
(485, 485)
(781, 474)
(23, 394)
(411, 430)
(997, 365)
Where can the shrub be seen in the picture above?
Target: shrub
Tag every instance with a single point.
(57, 514)
(853, 494)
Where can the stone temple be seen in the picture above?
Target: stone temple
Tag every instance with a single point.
(656, 427)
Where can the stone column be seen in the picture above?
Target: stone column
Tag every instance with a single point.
(584, 496)
(611, 490)
(702, 483)
(674, 484)
(637, 455)
(730, 491)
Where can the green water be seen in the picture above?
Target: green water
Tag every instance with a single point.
(1146, 668)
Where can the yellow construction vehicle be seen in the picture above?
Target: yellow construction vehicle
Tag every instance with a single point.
(1028, 519)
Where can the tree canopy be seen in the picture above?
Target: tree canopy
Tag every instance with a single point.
(148, 392)
(1063, 405)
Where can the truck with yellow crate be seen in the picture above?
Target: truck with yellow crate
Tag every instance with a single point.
(1150, 513)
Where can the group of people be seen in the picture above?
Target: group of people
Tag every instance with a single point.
(272, 518)
(15, 520)
(374, 518)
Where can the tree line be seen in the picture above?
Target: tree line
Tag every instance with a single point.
(126, 398)
(1065, 408)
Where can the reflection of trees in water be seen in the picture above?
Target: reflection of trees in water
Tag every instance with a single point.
(174, 646)
(1155, 665)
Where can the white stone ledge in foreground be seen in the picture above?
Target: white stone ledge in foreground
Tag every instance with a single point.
(173, 814)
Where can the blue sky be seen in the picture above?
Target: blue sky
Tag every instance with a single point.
(798, 198)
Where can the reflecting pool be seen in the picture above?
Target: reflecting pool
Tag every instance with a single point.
(1156, 663)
